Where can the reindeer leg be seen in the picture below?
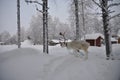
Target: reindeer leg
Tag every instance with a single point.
(75, 52)
(86, 56)
(79, 53)
(86, 52)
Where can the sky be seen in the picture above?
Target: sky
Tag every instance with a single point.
(8, 13)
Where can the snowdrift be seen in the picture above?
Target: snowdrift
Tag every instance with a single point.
(27, 42)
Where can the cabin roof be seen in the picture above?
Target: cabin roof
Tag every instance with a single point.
(93, 36)
(2, 42)
(113, 39)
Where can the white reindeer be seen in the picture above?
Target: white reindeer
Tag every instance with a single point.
(75, 45)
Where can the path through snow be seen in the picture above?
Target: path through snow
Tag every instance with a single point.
(31, 64)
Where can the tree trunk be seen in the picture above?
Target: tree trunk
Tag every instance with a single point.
(106, 29)
(83, 18)
(77, 20)
(18, 23)
(45, 26)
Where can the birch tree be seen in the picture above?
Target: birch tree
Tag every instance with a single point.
(105, 8)
(5, 36)
(77, 20)
(84, 9)
(44, 11)
(18, 23)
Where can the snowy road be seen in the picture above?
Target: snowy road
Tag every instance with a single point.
(29, 63)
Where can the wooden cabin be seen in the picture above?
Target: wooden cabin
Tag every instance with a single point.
(94, 39)
(2, 43)
(118, 40)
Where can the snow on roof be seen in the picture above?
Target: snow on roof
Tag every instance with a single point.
(93, 36)
(1, 42)
(55, 40)
(113, 39)
(62, 40)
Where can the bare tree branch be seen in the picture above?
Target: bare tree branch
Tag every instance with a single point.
(114, 4)
(38, 9)
(117, 15)
(109, 11)
(97, 3)
(30, 1)
(100, 5)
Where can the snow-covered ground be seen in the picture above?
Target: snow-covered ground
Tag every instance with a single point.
(29, 63)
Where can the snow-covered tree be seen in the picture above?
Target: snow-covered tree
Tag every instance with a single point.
(36, 29)
(84, 17)
(23, 34)
(51, 28)
(55, 26)
(115, 25)
(12, 39)
(5, 36)
(105, 6)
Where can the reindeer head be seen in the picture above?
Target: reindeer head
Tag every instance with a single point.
(62, 43)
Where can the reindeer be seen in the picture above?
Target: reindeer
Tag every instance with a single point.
(75, 45)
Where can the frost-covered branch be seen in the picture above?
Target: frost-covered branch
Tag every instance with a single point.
(117, 15)
(38, 9)
(100, 4)
(97, 3)
(114, 4)
(111, 11)
(30, 1)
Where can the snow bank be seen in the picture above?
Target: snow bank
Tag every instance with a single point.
(4, 48)
(27, 42)
(116, 51)
(22, 64)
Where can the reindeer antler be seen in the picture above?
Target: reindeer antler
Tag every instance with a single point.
(63, 35)
(60, 33)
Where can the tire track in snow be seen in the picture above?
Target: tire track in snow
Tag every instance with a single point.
(57, 65)
(50, 66)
